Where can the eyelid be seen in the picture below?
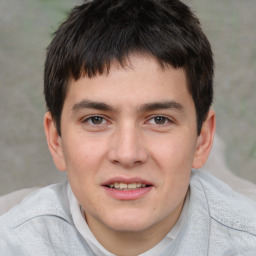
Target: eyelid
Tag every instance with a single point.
(168, 119)
(88, 118)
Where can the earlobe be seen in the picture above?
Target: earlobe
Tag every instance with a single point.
(205, 141)
(54, 142)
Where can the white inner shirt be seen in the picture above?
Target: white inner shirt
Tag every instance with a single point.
(84, 230)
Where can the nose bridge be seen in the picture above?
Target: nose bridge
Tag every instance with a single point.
(128, 148)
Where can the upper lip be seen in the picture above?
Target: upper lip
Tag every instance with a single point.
(126, 181)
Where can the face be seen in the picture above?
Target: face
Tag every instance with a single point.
(128, 143)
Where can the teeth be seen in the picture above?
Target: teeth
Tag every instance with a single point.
(132, 185)
(124, 186)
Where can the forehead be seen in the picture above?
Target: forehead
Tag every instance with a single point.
(139, 79)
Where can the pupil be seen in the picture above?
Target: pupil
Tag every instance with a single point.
(159, 120)
(97, 120)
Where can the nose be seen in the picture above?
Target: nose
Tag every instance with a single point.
(127, 147)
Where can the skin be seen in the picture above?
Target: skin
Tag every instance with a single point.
(134, 122)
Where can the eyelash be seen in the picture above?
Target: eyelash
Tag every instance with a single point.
(90, 118)
(166, 120)
(103, 120)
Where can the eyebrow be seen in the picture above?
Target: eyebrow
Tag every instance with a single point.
(92, 105)
(161, 105)
(143, 108)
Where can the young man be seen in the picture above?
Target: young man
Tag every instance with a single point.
(128, 87)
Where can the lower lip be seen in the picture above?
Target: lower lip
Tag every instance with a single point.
(128, 194)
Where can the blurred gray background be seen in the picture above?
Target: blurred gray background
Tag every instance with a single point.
(26, 27)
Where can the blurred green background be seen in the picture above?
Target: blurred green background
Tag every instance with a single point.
(26, 27)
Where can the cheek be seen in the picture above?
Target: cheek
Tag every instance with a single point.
(175, 154)
(83, 155)
(175, 159)
(83, 162)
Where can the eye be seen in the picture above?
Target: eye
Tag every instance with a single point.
(159, 120)
(95, 120)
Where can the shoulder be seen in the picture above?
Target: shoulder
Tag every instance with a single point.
(42, 225)
(226, 207)
(48, 201)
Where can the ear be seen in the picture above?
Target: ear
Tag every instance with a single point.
(205, 141)
(54, 142)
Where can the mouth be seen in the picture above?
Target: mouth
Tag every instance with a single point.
(127, 186)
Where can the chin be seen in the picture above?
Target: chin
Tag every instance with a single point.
(129, 222)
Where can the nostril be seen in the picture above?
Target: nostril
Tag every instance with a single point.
(115, 162)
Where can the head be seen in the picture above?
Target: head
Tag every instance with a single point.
(128, 85)
(98, 33)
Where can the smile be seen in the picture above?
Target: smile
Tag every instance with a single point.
(126, 186)
(123, 188)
